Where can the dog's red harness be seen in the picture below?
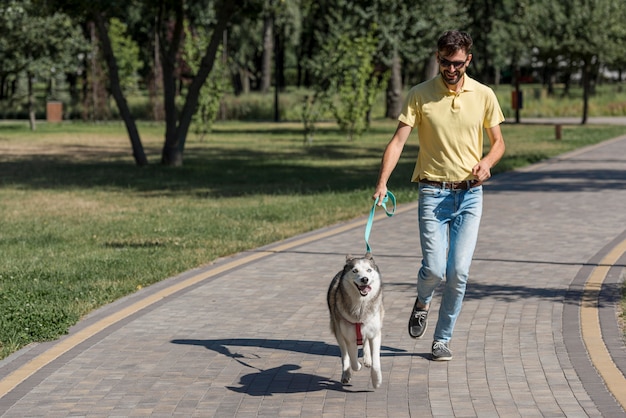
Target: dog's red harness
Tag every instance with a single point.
(359, 336)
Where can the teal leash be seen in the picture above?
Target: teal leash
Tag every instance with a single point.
(370, 221)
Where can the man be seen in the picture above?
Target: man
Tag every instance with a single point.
(450, 112)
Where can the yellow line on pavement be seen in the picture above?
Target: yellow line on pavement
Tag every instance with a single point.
(591, 331)
(18, 376)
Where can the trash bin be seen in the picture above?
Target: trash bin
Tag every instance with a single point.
(54, 111)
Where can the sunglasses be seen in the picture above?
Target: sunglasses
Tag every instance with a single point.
(456, 64)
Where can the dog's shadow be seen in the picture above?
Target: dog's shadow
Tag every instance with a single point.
(280, 379)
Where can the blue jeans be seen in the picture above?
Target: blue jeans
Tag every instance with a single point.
(448, 223)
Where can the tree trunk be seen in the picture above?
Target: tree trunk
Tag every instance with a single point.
(97, 93)
(278, 71)
(31, 102)
(394, 88)
(586, 86)
(175, 135)
(244, 80)
(118, 95)
(172, 150)
(155, 85)
(3, 86)
(268, 52)
(432, 68)
(567, 80)
(279, 53)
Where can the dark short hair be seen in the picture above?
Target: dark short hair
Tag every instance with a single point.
(453, 41)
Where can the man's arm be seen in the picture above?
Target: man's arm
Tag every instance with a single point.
(482, 170)
(390, 159)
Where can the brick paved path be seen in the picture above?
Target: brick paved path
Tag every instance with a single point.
(248, 336)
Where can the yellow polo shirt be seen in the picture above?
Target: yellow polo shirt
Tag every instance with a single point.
(450, 127)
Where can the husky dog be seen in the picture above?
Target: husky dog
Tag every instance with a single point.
(355, 302)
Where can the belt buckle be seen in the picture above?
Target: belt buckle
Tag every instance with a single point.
(459, 185)
(447, 185)
(454, 185)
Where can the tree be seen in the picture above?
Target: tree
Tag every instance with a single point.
(406, 34)
(592, 47)
(96, 93)
(408, 37)
(126, 53)
(585, 33)
(169, 17)
(38, 45)
(347, 80)
(243, 42)
(177, 126)
(509, 40)
(99, 12)
(214, 87)
(100, 20)
(268, 47)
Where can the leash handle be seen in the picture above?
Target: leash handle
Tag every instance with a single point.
(368, 228)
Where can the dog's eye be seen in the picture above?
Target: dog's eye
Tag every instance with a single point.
(369, 270)
(355, 270)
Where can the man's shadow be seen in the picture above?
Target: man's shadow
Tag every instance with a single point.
(281, 379)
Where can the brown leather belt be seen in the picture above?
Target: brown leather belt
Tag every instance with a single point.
(452, 185)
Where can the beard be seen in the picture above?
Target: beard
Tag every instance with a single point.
(451, 78)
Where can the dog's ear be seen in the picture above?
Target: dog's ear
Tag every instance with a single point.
(369, 256)
(349, 258)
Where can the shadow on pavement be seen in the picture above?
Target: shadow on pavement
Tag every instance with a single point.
(559, 181)
(281, 379)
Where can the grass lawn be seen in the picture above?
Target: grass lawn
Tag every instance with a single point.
(81, 225)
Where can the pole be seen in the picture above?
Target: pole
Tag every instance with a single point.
(517, 95)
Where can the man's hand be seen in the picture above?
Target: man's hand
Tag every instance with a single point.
(482, 171)
(380, 193)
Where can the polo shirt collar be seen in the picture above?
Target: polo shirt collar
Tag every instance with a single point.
(469, 84)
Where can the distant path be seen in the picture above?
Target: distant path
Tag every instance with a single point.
(597, 120)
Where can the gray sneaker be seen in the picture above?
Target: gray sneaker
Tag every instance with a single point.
(441, 352)
(418, 323)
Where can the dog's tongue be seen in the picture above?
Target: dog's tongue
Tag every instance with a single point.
(364, 289)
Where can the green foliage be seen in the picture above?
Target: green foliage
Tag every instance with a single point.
(215, 86)
(347, 82)
(312, 110)
(126, 52)
(552, 38)
(47, 46)
(414, 27)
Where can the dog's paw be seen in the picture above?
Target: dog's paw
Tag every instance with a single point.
(377, 378)
(356, 367)
(346, 376)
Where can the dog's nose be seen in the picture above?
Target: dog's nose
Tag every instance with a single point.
(365, 280)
